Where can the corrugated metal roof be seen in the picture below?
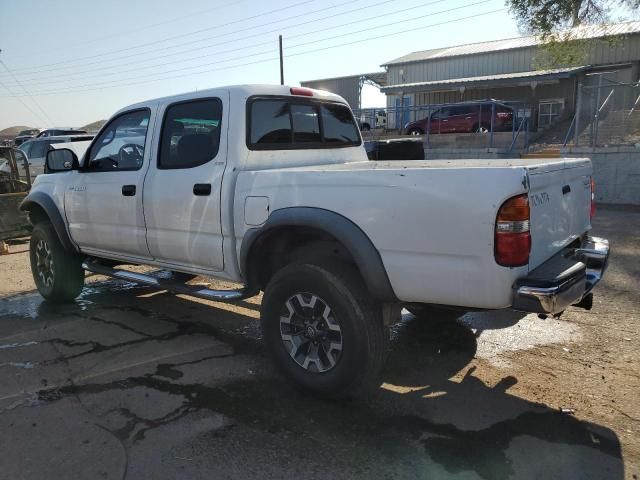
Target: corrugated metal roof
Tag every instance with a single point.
(582, 32)
(452, 82)
(379, 77)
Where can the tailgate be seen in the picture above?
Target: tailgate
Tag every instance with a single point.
(560, 200)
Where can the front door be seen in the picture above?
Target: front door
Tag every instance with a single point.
(103, 202)
(182, 189)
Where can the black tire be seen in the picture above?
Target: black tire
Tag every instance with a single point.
(365, 127)
(362, 334)
(58, 274)
(433, 314)
(415, 132)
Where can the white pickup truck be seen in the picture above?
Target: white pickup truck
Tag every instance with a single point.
(270, 187)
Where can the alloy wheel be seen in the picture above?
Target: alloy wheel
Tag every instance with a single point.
(44, 263)
(310, 332)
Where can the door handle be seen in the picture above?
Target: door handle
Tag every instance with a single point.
(202, 189)
(128, 190)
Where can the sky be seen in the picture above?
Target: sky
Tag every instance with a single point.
(71, 62)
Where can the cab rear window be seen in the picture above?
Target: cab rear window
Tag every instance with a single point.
(285, 123)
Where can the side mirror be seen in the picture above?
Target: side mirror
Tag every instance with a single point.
(61, 160)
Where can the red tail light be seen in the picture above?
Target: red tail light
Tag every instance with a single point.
(305, 92)
(593, 198)
(513, 236)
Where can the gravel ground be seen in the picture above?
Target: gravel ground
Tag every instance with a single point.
(133, 383)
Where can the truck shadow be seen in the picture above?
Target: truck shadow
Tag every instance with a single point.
(430, 403)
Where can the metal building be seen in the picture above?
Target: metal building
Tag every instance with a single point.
(506, 70)
(349, 87)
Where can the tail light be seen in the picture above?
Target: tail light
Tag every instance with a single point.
(513, 235)
(593, 198)
(503, 115)
(305, 92)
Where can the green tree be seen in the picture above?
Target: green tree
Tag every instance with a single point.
(553, 19)
(548, 16)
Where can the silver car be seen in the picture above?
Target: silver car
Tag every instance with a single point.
(37, 148)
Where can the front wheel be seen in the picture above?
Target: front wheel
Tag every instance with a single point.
(416, 132)
(58, 274)
(323, 329)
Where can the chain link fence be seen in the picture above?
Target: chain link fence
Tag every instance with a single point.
(607, 113)
(476, 124)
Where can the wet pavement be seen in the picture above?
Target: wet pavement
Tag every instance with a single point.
(133, 383)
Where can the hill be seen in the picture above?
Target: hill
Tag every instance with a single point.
(94, 126)
(11, 132)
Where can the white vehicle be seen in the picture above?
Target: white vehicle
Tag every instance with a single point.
(36, 150)
(380, 117)
(271, 187)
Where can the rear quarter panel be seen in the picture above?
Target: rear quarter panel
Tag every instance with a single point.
(433, 227)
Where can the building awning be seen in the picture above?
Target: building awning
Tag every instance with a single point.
(500, 80)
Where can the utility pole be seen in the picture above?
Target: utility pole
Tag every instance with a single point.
(281, 61)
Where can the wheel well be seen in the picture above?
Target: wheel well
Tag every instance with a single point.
(37, 214)
(281, 246)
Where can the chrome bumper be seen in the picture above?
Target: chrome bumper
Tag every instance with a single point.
(564, 280)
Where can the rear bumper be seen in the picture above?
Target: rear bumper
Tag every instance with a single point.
(564, 280)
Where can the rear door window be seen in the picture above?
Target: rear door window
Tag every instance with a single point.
(190, 133)
(461, 110)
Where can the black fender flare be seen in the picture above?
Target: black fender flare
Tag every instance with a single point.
(360, 247)
(46, 203)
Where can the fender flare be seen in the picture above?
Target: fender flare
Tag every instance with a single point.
(360, 247)
(47, 204)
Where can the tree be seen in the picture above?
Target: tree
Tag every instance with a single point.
(552, 20)
(545, 17)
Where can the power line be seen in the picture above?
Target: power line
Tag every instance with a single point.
(265, 52)
(35, 102)
(225, 35)
(307, 52)
(36, 114)
(167, 39)
(67, 78)
(166, 22)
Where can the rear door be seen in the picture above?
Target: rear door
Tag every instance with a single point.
(182, 190)
(460, 117)
(560, 200)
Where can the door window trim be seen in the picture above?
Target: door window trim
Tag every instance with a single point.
(164, 119)
(84, 168)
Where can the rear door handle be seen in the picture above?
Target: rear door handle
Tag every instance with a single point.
(566, 189)
(202, 189)
(128, 190)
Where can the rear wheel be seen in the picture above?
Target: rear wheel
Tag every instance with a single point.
(323, 329)
(57, 273)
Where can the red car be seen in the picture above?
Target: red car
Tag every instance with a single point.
(463, 118)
